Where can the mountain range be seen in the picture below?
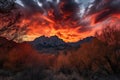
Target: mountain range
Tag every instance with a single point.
(54, 44)
(43, 44)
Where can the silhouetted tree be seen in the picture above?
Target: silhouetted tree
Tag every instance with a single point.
(110, 36)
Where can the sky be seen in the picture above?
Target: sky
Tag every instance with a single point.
(70, 20)
(36, 33)
(84, 3)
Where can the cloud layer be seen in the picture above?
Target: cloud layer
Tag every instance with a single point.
(70, 20)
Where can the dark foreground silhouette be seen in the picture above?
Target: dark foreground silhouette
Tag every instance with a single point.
(98, 59)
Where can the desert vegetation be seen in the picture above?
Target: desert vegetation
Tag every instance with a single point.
(98, 59)
(95, 60)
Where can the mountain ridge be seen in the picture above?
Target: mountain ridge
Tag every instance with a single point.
(53, 43)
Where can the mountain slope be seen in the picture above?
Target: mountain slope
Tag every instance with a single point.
(54, 44)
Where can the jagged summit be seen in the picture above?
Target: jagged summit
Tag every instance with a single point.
(53, 43)
(48, 41)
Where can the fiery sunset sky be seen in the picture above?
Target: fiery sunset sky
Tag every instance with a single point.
(70, 20)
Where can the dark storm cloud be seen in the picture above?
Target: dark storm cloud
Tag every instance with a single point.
(105, 8)
(32, 6)
(6, 5)
(70, 8)
(64, 9)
